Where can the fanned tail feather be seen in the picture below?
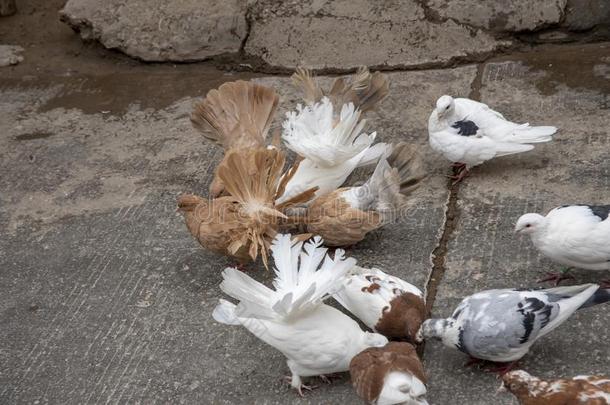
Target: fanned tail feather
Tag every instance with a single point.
(410, 165)
(305, 275)
(363, 89)
(237, 114)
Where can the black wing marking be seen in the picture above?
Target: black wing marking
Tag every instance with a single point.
(465, 127)
(533, 309)
(601, 211)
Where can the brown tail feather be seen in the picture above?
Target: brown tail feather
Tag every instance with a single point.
(409, 163)
(302, 78)
(237, 114)
(365, 90)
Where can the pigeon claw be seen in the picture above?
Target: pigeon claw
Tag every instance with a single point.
(328, 379)
(301, 387)
(556, 277)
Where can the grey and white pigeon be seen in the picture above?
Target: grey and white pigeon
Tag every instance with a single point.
(469, 133)
(385, 303)
(501, 325)
(389, 375)
(571, 235)
(316, 338)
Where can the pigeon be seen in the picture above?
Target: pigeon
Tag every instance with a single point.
(243, 223)
(327, 133)
(346, 215)
(388, 375)
(582, 389)
(469, 133)
(501, 325)
(316, 338)
(386, 304)
(571, 235)
(237, 115)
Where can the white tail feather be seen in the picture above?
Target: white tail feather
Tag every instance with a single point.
(305, 276)
(507, 148)
(526, 134)
(373, 154)
(225, 313)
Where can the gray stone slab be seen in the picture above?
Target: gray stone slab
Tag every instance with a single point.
(159, 30)
(343, 34)
(105, 297)
(502, 15)
(484, 253)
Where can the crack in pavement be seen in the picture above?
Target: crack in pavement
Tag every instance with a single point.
(452, 214)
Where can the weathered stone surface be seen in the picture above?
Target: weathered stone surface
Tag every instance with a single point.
(586, 14)
(483, 251)
(501, 15)
(158, 30)
(10, 55)
(105, 296)
(344, 34)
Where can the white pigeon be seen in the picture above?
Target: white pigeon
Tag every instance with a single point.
(502, 325)
(469, 133)
(316, 339)
(386, 304)
(331, 146)
(571, 235)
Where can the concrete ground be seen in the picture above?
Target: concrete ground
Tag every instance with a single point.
(106, 298)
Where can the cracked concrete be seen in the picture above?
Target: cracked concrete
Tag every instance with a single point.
(105, 297)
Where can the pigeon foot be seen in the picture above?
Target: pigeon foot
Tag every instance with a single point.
(556, 277)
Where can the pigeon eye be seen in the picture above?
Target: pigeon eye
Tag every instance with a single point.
(528, 225)
(446, 108)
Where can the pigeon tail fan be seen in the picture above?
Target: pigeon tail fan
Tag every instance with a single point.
(314, 133)
(364, 90)
(237, 114)
(304, 277)
(526, 134)
(253, 178)
(305, 274)
(410, 165)
(373, 154)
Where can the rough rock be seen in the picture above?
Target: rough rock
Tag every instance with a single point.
(157, 30)
(10, 55)
(585, 14)
(500, 15)
(345, 34)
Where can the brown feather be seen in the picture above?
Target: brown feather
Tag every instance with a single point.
(369, 368)
(364, 89)
(244, 222)
(331, 217)
(237, 115)
(302, 78)
(403, 318)
(589, 390)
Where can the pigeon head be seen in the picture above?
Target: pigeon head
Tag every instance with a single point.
(530, 223)
(433, 328)
(402, 387)
(518, 382)
(444, 106)
(374, 340)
